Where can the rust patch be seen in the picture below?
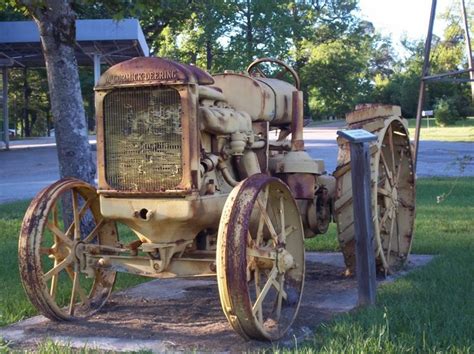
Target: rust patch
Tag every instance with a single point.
(302, 185)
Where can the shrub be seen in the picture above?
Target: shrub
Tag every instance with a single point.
(445, 112)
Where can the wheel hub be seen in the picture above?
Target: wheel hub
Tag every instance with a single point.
(284, 261)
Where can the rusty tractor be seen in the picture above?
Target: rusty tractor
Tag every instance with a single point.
(187, 162)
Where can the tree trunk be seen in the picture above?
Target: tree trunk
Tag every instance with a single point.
(249, 31)
(57, 28)
(26, 100)
(300, 60)
(209, 55)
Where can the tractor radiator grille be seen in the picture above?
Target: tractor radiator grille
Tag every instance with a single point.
(142, 139)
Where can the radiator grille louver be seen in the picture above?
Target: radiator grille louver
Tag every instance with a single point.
(142, 139)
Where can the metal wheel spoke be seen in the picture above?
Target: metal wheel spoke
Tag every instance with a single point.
(59, 234)
(261, 221)
(91, 235)
(257, 294)
(75, 283)
(79, 290)
(249, 273)
(59, 267)
(397, 179)
(54, 282)
(385, 216)
(264, 292)
(384, 192)
(81, 214)
(288, 230)
(282, 235)
(264, 253)
(387, 169)
(267, 220)
(77, 221)
(276, 284)
(280, 296)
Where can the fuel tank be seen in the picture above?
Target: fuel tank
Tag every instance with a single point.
(265, 99)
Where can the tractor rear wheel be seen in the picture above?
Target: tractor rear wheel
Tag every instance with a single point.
(393, 197)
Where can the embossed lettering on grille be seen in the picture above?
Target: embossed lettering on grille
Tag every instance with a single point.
(143, 133)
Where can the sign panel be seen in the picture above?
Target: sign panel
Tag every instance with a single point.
(427, 113)
(357, 135)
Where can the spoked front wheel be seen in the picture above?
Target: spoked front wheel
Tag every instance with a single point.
(260, 258)
(59, 225)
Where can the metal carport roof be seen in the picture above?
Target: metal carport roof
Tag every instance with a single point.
(97, 41)
(114, 41)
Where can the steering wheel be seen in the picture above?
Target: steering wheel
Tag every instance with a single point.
(254, 68)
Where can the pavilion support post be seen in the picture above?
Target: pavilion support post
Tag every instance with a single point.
(6, 137)
(97, 58)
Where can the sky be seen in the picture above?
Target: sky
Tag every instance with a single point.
(402, 17)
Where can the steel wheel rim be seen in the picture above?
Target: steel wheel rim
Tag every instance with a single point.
(49, 252)
(260, 296)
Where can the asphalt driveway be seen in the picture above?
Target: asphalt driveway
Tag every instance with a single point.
(32, 164)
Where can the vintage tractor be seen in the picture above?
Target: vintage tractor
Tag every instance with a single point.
(185, 160)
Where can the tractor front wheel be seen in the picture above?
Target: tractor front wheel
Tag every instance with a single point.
(58, 226)
(260, 258)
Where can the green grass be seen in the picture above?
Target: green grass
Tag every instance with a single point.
(432, 308)
(429, 310)
(462, 130)
(14, 305)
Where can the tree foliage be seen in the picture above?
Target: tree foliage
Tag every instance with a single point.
(341, 58)
(445, 112)
(447, 54)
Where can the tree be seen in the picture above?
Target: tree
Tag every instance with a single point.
(338, 71)
(57, 27)
(401, 87)
(197, 38)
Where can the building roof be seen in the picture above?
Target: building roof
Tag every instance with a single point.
(114, 41)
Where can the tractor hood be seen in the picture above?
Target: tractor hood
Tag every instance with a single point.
(152, 71)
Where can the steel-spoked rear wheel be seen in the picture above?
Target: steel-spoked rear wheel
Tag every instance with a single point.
(260, 258)
(393, 197)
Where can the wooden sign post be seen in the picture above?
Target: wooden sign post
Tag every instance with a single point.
(364, 229)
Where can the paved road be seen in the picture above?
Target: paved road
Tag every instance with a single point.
(31, 165)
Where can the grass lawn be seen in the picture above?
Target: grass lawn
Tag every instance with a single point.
(463, 130)
(14, 305)
(430, 310)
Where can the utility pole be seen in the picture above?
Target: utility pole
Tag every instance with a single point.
(446, 77)
(468, 48)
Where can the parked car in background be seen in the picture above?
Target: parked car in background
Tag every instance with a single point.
(11, 133)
